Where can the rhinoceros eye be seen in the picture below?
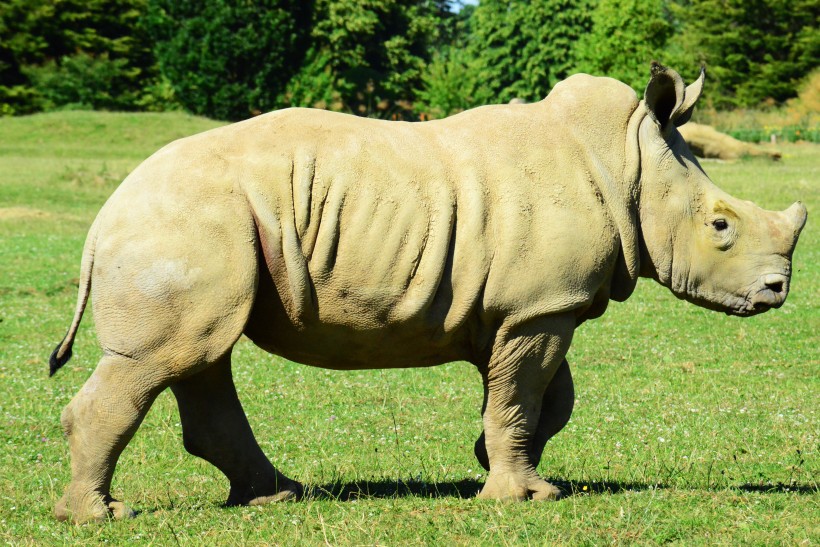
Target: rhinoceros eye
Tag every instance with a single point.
(720, 224)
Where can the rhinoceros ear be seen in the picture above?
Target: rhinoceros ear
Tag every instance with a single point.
(690, 98)
(664, 96)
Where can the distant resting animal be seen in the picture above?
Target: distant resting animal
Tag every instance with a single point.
(707, 142)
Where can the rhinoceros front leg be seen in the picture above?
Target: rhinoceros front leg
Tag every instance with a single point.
(215, 428)
(523, 362)
(556, 409)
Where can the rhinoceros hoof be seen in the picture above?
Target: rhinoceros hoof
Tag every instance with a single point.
(512, 487)
(91, 508)
(289, 491)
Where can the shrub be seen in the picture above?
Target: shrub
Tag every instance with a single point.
(85, 82)
(626, 35)
(522, 49)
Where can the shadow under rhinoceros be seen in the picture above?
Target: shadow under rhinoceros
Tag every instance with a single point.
(468, 488)
(386, 488)
(465, 488)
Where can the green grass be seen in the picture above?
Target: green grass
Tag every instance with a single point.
(690, 427)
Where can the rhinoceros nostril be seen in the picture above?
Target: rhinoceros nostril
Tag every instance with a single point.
(776, 287)
(776, 283)
(771, 293)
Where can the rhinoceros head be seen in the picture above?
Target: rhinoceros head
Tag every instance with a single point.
(708, 247)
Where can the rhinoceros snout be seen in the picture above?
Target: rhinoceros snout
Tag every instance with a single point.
(772, 292)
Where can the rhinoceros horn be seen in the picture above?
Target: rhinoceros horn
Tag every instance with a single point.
(796, 217)
(666, 98)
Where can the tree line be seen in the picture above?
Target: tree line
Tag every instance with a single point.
(399, 59)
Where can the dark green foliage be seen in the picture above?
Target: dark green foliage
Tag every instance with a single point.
(84, 81)
(449, 85)
(521, 49)
(756, 51)
(89, 53)
(367, 57)
(449, 81)
(625, 36)
(399, 59)
(316, 84)
(228, 59)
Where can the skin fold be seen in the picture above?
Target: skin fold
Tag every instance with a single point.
(350, 243)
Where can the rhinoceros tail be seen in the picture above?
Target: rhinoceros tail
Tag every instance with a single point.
(62, 353)
(59, 357)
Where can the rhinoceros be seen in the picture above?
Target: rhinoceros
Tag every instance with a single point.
(350, 243)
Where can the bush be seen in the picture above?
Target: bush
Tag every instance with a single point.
(16, 100)
(522, 49)
(626, 36)
(315, 85)
(83, 82)
(374, 52)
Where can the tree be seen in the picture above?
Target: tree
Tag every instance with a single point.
(449, 80)
(229, 59)
(523, 48)
(756, 51)
(367, 56)
(90, 53)
(448, 85)
(626, 35)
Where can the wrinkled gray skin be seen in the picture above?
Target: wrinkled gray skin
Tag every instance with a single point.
(350, 243)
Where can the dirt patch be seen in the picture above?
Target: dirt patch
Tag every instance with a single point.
(17, 213)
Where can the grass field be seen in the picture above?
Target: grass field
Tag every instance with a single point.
(689, 426)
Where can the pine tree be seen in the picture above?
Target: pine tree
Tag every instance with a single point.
(756, 51)
(89, 53)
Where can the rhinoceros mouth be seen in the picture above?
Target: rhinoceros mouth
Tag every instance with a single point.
(769, 293)
(743, 307)
(746, 309)
(736, 305)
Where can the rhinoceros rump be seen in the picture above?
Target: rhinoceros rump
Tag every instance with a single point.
(350, 243)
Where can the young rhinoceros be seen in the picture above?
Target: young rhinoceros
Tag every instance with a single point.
(351, 243)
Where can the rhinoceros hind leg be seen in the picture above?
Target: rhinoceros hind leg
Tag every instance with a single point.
(215, 428)
(99, 422)
(556, 409)
(524, 360)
